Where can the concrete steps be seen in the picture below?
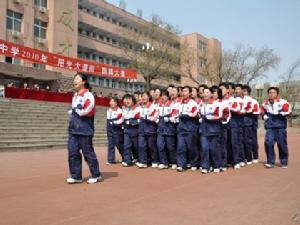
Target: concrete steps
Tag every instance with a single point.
(30, 125)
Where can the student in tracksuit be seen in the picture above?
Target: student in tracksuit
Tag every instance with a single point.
(187, 132)
(255, 114)
(275, 111)
(236, 126)
(114, 128)
(131, 113)
(148, 152)
(210, 116)
(81, 132)
(247, 127)
(225, 138)
(166, 132)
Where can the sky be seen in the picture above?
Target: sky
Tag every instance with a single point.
(257, 23)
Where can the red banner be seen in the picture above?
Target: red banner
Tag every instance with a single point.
(83, 66)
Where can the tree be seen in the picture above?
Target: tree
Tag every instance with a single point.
(246, 64)
(153, 51)
(290, 88)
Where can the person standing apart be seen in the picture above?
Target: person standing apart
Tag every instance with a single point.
(275, 111)
(81, 132)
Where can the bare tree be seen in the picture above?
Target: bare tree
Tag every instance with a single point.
(246, 64)
(154, 50)
(290, 87)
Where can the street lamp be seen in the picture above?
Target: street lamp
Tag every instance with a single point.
(147, 48)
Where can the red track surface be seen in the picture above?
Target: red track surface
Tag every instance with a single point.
(33, 192)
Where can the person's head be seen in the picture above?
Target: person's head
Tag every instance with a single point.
(216, 92)
(157, 94)
(201, 89)
(273, 93)
(114, 102)
(25, 85)
(170, 88)
(152, 91)
(47, 87)
(246, 90)
(180, 91)
(10, 84)
(137, 95)
(231, 87)
(165, 96)
(194, 93)
(225, 88)
(207, 94)
(80, 82)
(146, 97)
(186, 92)
(238, 91)
(174, 93)
(129, 100)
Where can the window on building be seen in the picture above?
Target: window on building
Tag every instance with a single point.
(13, 21)
(40, 3)
(12, 60)
(40, 29)
(202, 46)
(38, 66)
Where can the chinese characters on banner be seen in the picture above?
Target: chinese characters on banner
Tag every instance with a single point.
(82, 66)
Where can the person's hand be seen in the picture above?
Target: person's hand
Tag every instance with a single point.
(166, 119)
(70, 112)
(266, 117)
(200, 120)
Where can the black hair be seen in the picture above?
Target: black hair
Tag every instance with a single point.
(215, 88)
(166, 93)
(247, 87)
(224, 84)
(273, 88)
(187, 87)
(159, 90)
(171, 85)
(232, 85)
(203, 86)
(116, 100)
(239, 85)
(137, 93)
(126, 96)
(148, 94)
(85, 80)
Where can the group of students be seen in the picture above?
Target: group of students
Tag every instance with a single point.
(207, 128)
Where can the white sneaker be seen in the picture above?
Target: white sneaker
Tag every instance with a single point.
(94, 180)
(194, 168)
(162, 166)
(268, 165)
(108, 163)
(284, 167)
(223, 169)
(188, 165)
(204, 171)
(154, 165)
(174, 166)
(237, 166)
(141, 165)
(210, 169)
(180, 169)
(255, 161)
(216, 170)
(71, 180)
(125, 164)
(134, 161)
(249, 163)
(242, 164)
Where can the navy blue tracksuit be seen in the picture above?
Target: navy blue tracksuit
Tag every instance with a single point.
(276, 125)
(81, 132)
(166, 133)
(187, 134)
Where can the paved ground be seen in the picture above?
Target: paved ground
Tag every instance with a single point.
(33, 192)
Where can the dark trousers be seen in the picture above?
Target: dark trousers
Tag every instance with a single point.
(211, 151)
(187, 149)
(278, 135)
(148, 152)
(85, 144)
(115, 141)
(166, 148)
(130, 147)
